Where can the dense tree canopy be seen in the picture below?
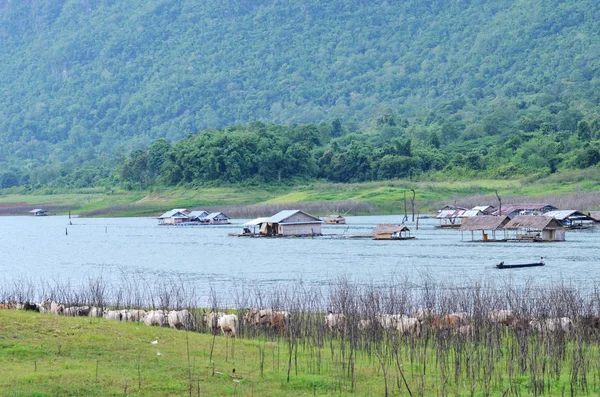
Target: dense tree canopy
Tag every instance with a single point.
(347, 90)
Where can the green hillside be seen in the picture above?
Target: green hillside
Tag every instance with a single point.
(503, 83)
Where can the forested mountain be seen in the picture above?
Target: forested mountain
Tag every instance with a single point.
(504, 84)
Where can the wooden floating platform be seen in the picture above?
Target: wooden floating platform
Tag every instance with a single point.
(322, 236)
(448, 226)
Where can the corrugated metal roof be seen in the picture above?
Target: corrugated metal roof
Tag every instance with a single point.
(213, 215)
(485, 222)
(563, 214)
(256, 221)
(595, 215)
(198, 214)
(285, 214)
(510, 208)
(538, 222)
(451, 207)
(389, 229)
(482, 208)
(448, 214)
(37, 210)
(472, 213)
(173, 212)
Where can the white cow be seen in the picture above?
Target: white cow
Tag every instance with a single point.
(115, 315)
(180, 319)
(228, 324)
(335, 322)
(552, 324)
(501, 316)
(96, 312)
(56, 308)
(408, 325)
(156, 318)
(74, 311)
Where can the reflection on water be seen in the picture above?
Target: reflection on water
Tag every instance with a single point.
(46, 248)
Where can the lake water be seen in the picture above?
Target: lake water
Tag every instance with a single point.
(38, 248)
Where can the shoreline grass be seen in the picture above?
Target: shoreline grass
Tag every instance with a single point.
(48, 355)
(568, 190)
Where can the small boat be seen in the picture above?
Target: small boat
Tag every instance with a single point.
(502, 265)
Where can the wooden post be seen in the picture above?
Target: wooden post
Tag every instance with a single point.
(412, 204)
(499, 204)
(405, 213)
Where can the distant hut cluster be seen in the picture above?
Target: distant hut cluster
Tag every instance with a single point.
(514, 222)
(335, 220)
(184, 217)
(38, 212)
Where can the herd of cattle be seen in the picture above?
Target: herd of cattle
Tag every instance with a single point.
(278, 321)
(460, 323)
(178, 319)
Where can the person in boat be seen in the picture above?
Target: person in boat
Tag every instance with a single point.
(501, 264)
(542, 260)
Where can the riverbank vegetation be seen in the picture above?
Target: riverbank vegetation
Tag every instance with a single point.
(172, 93)
(567, 189)
(479, 339)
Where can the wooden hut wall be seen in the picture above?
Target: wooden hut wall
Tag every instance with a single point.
(383, 236)
(300, 229)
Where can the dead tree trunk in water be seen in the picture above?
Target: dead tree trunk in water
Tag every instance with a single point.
(405, 213)
(412, 204)
(499, 204)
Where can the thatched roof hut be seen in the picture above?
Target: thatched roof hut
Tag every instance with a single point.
(485, 224)
(536, 228)
(391, 232)
(335, 220)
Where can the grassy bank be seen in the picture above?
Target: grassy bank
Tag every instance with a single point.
(46, 355)
(480, 341)
(569, 190)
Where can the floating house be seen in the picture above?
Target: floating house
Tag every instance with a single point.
(450, 216)
(197, 216)
(572, 219)
(535, 228)
(485, 209)
(250, 227)
(391, 232)
(216, 218)
(174, 217)
(491, 227)
(290, 223)
(513, 210)
(335, 220)
(38, 212)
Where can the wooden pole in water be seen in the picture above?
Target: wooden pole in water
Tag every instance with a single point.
(412, 204)
(66, 232)
(499, 204)
(405, 213)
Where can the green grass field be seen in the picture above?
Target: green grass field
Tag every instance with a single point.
(385, 197)
(46, 355)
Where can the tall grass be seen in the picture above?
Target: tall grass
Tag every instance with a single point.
(479, 354)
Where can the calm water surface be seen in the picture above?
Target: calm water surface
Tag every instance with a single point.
(38, 248)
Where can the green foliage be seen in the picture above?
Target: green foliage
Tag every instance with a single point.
(85, 85)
